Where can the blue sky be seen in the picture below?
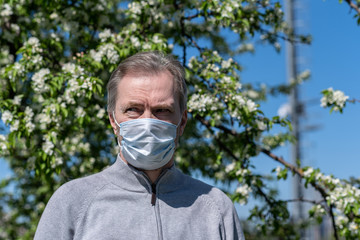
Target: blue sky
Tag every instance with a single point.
(332, 59)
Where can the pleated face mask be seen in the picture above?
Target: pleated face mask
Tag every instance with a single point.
(147, 143)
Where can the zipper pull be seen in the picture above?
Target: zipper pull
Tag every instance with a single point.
(153, 195)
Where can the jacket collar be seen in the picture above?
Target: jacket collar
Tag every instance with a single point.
(131, 179)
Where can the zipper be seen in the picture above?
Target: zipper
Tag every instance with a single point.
(153, 187)
(153, 194)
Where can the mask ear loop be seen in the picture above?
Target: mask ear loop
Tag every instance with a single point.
(119, 130)
(115, 119)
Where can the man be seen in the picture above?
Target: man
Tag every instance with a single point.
(142, 195)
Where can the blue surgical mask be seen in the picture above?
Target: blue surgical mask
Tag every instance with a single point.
(147, 143)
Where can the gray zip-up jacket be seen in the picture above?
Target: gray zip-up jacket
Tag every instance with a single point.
(121, 203)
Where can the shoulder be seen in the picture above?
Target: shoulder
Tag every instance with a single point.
(220, 203)
(212, 194)
(73, 195)
(65, 206)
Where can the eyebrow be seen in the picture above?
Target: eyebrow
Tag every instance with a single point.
(130, 104)
(140, 104)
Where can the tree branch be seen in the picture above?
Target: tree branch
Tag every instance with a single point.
(304, 200)
(290, 166)
(222, 145)
(301, 174)
(353, 6)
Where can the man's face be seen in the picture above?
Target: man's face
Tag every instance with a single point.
(152, 96)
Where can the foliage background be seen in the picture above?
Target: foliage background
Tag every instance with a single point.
(26, 203)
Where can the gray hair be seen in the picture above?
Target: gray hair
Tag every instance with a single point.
(148, 63)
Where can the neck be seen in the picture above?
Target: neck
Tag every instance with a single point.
(152, 174)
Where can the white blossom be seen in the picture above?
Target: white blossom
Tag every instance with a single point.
(37, 59)
(239, 99)
(97, 56)
(308, 172)
(251, 105)
(29, 114)
(305, 74)
(87, 84)
(104, 35)
(226, 80)
(156, 39)
(284, 110)
(39, 80)
(318, 210)
(30, 126)
(3, 141)
(341, 221)
(354, 228)
(230, 167)
(242, 172)
(6, 10)
(244, 191)
(227, 64)
(203, 102)
(191, 62)
(79, 112)
(146, 46)
(247, 47)
(6, 116)
(14, 125)
(134, 7)
(20, 69)
(278, 170)
(100, 113)
(17, 100)
(135, 41)
(33, 41)
(252, 94)
(53, 15)
(69, 68)
(57, 162)
(48, 146)
(15, 28)
(55, 37)
(110, 53)
(334, 97)
(260, 125)
(43, 119)
(107, 50)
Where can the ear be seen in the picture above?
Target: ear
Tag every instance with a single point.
(183, 122)
(112, 122)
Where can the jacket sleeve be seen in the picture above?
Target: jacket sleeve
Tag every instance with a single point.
(231, 222)
(232, 225)
(57, 220)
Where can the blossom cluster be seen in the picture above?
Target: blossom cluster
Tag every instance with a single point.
(243, 190)
(38, 80)
(151, 8)
(6, 10)
(204, 102)
(3, 145)
(108, 51)
(335, 99)
(343, 196)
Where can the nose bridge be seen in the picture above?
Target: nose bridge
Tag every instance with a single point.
(147, 113)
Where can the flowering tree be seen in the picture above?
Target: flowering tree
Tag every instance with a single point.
(56, 57)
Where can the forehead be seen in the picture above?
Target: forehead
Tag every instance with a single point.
(154, 86)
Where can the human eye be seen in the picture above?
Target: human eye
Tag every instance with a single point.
(163, 113)
(133, 111)
(163, 110)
